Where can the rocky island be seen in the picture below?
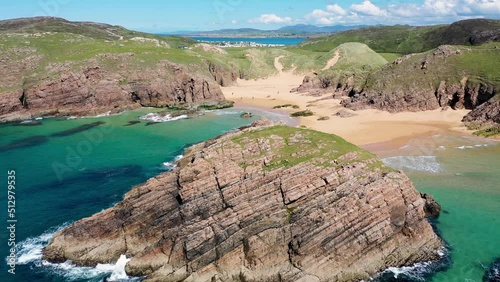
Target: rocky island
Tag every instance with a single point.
(270, 203)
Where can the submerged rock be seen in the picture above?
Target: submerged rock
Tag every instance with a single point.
(493, 272)
(263, 204)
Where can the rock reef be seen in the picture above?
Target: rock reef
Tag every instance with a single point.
(270, 203)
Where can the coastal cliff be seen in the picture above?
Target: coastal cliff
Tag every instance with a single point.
(53, 67)
(270, 203)
(449, 76)
(93, 90)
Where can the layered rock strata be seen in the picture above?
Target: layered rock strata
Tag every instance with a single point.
(263, 204)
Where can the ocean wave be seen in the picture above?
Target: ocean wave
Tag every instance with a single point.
(155, 117)
(418, 163)
(30, 253)
(30, 250)
(472, 146)
(417, 272)
(173, 164)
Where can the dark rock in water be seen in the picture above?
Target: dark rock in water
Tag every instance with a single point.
(431, 208)
(133, 122)
(79, 129)
(24, 143)
(28, 123)
(152, 123)
(246, 115)
(493, 273)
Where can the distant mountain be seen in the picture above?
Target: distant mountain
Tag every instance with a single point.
(292, 31)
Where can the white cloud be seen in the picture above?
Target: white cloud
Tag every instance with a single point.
(317, 14)
(324, 21)
(336, 10)
(369, 9)
(272, 19)
(234, 22)
(366, 12)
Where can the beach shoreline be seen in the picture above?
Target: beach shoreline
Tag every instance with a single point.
(374, 130)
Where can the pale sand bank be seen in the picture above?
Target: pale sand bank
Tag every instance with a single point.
(366, 127)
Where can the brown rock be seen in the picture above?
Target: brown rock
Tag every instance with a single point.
(93, 90)
(223, 215)
(431, 208)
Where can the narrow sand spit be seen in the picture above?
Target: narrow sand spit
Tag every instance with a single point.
(332, 61)
(365, 127)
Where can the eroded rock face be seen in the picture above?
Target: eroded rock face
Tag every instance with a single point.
(94, 90)
(265, 204)
(486, 115)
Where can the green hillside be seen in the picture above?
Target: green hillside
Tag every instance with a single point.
(407, 39)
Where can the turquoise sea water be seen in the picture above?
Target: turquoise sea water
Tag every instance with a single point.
(463, 175)
(70, 169)
(62, 177)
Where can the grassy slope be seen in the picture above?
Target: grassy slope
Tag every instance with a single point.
(56, 42)
(316, 145)
(356, 61)
(405, 39)
(478, 63)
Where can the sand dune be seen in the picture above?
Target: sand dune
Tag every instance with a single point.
(332, 61)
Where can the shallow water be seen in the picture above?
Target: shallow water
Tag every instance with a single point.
(463, 174)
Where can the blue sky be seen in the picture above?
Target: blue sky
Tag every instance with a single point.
(157, 16)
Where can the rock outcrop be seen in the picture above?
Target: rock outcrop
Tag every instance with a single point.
(486, 115)
(93, 89)
(263, 204)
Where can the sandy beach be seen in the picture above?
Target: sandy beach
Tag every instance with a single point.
(363, 128)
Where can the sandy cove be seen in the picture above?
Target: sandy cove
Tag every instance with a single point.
(367, 127)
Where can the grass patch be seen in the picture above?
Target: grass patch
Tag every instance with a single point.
(286, 106)
(489, 132)
(306, 113)
(303, 145)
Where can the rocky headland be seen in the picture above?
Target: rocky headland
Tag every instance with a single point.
(270, 203)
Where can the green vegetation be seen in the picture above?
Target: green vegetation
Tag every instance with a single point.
(404, 39)
(306, 113)
(490, 132)
(390, 57)
(479, 64)
(355, 63)
(286, 106)
(289, 213)
(302, 145)
(47, 48)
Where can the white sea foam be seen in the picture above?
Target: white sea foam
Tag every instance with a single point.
(418, 163)
(107, 114)
(30, 252)
(171, 165)
(409, 270)
(155, 117)
(223, 113)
